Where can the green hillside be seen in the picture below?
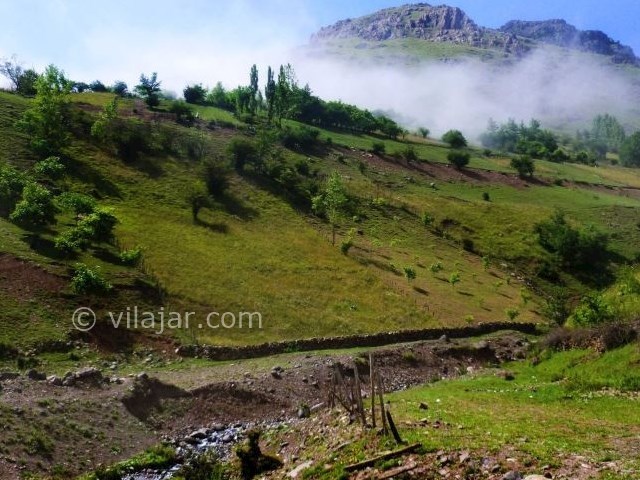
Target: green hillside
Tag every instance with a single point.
(260, 250)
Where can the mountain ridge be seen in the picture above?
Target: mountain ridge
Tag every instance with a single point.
(447, 24)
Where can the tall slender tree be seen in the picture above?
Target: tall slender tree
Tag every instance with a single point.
(253, 89)
(270, 94)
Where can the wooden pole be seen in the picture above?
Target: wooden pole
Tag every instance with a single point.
(359, 395)
(373, 390)
(382, 409)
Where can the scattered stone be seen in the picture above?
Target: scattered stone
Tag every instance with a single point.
(535, 477)
(317, 407)
(8, 376)
(464, 457)
(299, 469)
(35, 375)
(444, 338)
(512, 475)
(423, 406)
(304, 411)
(481, 345)
(54, 380)
(199, 434)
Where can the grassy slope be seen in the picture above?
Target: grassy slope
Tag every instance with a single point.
(549, 404)
(258, 253)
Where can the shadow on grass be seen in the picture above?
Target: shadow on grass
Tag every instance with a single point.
(88, 174)
(421, 291)
(214, 227)
(106, 255)
(45, 247)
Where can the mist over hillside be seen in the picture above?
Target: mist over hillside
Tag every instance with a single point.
(560, 90)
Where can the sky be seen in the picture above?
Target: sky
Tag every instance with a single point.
(205, 41)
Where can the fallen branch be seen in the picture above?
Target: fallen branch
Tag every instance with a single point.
(394, 472)
(385, 456)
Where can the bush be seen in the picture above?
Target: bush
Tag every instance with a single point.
(12, 183)
(602, 337)
(486, 197)
(194, 94)
(409, 273)
(242, 151)
(99, 225)
(86, 280)
(131, 257)
(427, 219)
(346, 245)
(303, 138)
(524, 165)
(216, 177)
(378, 148)
(78, 203)
(436, 267)
(50, 167)
(512, 313)
(36, 207)
(409, 153)
(455, 138)
(593, 310)
(183, 112)
(458, 159)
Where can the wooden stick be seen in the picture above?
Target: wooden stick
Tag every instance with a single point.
(394, 430)
(386, 456)
(381, 397)
(373, 390)
(359, 395)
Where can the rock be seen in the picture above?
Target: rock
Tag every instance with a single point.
(464, 457)
(444, 338)
(535, 477)
(228, 438)
(276, 374)
(54, 380)
(142, 376)
(299, 469)
(481, 345)
(8, 376)
(35, 375)
(304, 411)
(423, 406)
(199, 434)
(316, 407)
(512, 475)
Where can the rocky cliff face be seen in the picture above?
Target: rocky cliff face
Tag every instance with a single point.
(423, 21)
(559, 32)
(451, 24)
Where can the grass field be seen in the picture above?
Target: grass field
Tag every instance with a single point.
(256, 251)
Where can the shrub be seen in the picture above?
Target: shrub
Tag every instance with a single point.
(346, 245)
(524, 165)
(427, 219)
(409, 153)
(512, 313)
(78, 203)
(436, 267)
(131, 257)
(593, 310)
(242, 151)
(36, 207)
(216, 177)
(454, 278)
(486, 197)
(458, 159)
(303, 138)
(409, 273)
(302, 166)
(12, 183)
(87, 280)
(455, 138)
(378, 148)
(50, 167)
(194, 94)
(468, 245)
(99, 225)
(183, 112)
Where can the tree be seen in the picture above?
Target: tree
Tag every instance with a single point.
(455, 138)
(332, 202)
(36, 208)
(216, 177)
(253, 89)
(458, 159)
(104, 127)
(120, 88)
(46, 122)
(524, 165)
(77, 203)
(50, 167)
(12, 183)
(195, 94)
(149, 89)
(424, 132)
(241, 152)
(630, 151)
(27, 83)
(12, 70)
(218, 97)
(607, 130)
(98, 87)
(270, 94)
